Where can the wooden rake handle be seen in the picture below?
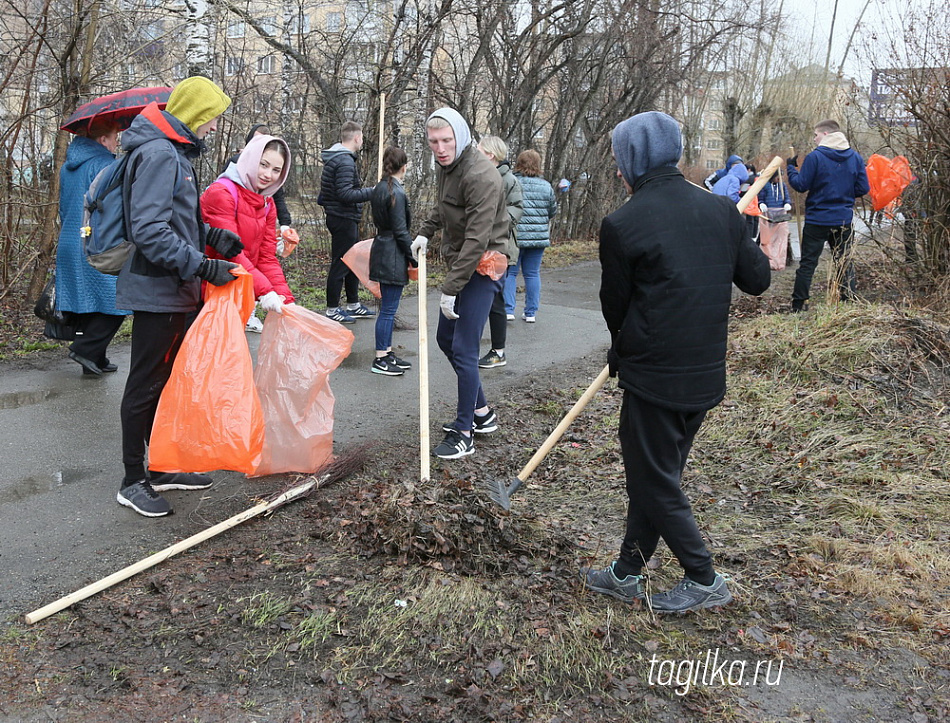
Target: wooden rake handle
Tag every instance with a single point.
(564, 424)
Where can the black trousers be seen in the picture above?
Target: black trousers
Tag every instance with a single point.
(498, 321)
(814, 238)
(156, 339)
(94, 333)
(344, 234)
(655, 443)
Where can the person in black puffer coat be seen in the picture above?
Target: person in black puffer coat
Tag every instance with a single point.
(666, 289)
(390, 256)
(342, 196)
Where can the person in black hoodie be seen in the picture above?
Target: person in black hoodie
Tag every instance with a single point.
(390, 256)
(666, 288)
(342, 196)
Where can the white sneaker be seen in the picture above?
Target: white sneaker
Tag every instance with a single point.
(254, 324)
(511, 317)
(529, 319)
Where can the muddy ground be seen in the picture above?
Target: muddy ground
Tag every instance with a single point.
(383, 598)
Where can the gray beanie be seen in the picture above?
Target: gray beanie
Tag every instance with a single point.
(644, 142)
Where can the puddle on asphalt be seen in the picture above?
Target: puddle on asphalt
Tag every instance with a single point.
(40, 484)
(12, 400)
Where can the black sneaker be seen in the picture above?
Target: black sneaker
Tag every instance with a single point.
(360, 312)
(143, 499)
(487, 423)
(606, 581)
(341, 316)
(401, 363)
(483, 424)
(689, 595)
(454, 445)
(384, 365)
(164, 481)
(491, 360)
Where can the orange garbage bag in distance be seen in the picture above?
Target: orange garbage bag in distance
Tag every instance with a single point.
(357, 258)
(209, 416)
(887, 178)
(298, 350)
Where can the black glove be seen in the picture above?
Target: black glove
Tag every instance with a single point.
(792, 161)
(227, 243)
(412, 262)
(216, 271)
(613, 361)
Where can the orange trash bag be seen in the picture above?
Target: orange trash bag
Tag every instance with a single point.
(887, 178)
(357, 258)
(493, 264)
(209, 415)
(298, 350)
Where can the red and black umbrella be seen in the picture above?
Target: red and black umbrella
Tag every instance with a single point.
(120, 107)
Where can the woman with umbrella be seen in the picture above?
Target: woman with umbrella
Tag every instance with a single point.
(83, 292)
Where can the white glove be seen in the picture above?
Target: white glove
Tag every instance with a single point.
(447, 305)
(763, 208)
(272, 301)
(788, 208)
(282, 229)
(419, 244)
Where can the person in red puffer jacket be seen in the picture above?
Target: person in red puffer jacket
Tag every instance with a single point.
(240, 200)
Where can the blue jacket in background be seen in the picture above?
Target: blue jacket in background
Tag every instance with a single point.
(717, 175)
(79, 287)
(775, 195)
(833, 178)
(341, 189)
(538, 208)
(729, 184)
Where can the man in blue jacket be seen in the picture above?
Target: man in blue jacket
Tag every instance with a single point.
(718, 174)
(833, 175)
(161, 281)
(342, 196)
(666, 289)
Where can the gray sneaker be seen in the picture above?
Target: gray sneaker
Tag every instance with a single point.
(143, 499)
(689, 595)
(605, 581)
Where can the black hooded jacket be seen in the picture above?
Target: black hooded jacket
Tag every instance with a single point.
(669, 258)
(341, 189)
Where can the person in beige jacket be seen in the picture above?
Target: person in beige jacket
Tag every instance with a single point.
(471, 213)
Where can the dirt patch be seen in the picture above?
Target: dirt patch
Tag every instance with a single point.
(821, 483)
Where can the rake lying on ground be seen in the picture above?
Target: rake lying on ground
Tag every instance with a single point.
(338, 469)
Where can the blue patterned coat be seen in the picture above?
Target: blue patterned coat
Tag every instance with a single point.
(79, 287)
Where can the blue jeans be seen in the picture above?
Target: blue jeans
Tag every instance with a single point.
(459, 339)
(389, 304)
(529, 261)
